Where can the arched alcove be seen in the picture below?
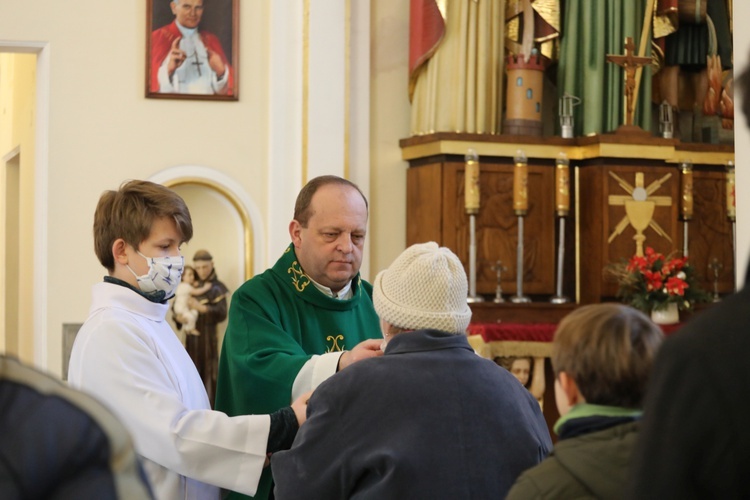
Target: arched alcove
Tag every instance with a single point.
(225, 222)
(235, 228)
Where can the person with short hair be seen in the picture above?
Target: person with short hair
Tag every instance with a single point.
(601, 356)
(428, 419)
(127, 356)
(308, 316)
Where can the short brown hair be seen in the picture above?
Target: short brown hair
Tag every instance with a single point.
(302, 212)
(129, 213)
(608, 350)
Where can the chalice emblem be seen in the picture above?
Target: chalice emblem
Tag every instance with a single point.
(639, 208)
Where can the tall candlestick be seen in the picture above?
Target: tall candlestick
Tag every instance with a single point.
(520, 184)
(471, 203)
(731, 201)
(732, 214)
(562, 207)
(562, 185)
(471, 182)
(687, 190)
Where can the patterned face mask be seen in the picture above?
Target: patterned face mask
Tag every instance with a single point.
(163, 275)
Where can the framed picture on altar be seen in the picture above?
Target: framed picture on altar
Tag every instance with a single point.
(192, 49)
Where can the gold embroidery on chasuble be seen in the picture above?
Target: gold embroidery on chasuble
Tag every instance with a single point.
(299, 278)
(334, 343)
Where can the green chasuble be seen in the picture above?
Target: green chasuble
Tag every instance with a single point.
(277, 321)
(592, 29)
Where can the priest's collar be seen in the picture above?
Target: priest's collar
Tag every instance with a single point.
(344, 294)
(186, 32)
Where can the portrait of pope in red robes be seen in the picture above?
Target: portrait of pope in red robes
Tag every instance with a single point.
(192, 49)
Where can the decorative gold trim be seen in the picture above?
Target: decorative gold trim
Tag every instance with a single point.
(305, 88)
(667, 153)
(334, 339)
(299, 278)
(247, 226)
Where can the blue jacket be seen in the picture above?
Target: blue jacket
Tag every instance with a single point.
(429, 419)
(58, 443)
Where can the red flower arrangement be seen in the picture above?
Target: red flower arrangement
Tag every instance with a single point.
(653, 281)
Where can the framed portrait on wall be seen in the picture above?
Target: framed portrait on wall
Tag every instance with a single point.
(192, 49)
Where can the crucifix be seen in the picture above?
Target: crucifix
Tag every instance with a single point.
(630, 63)
(197, 62)
(639, 208)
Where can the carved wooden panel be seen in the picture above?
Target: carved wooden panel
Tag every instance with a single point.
(598, 231)
(496, 223)
(710, 231)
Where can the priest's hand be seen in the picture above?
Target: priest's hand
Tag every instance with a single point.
(365, 349)
(176, 56)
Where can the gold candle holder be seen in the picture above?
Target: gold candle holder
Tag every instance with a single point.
(520, 184)
(471, 182)
(562, 185)
(687, 190)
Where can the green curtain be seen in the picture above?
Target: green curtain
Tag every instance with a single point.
(591, 29)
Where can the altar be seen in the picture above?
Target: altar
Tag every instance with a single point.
(607, 172)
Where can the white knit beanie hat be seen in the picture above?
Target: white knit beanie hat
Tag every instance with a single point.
(425, 287)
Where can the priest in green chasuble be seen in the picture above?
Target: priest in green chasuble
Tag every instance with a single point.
(308, 316)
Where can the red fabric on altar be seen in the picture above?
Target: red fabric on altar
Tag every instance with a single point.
(528, 332)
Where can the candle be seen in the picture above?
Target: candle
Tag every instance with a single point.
(562, 185)
(687, 191)
(520, 184)
(471, 182)
(731, 201)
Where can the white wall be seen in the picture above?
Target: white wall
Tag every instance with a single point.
(102, 130)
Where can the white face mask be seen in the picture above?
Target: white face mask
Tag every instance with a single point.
(163, 275)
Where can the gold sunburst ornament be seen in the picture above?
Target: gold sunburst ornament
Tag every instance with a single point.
(639, 208)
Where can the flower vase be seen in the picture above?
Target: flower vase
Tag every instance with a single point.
(668, 316)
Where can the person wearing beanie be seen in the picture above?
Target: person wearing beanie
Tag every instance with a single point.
(429, 418)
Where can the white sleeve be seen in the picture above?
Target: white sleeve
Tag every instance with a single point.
(145, 386)
(165, 84)
(218, 85)
(314, 372)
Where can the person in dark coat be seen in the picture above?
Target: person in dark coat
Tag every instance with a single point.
(695, 441)
(602, 356)
(429, 418)
(59, 443)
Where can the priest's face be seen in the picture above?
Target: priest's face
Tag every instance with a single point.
(329, 249)
(188, 12)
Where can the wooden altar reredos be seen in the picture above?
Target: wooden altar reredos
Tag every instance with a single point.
(597, 231)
